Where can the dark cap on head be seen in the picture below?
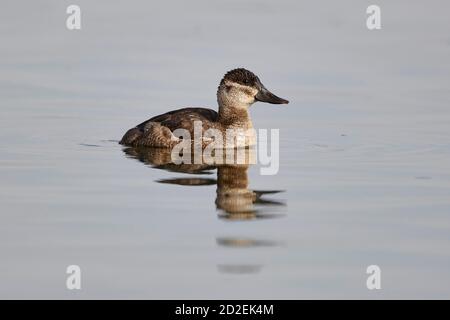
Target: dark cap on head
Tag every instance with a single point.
(241, 76)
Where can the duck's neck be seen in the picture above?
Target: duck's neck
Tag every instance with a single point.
(234, 117)
(237, 118)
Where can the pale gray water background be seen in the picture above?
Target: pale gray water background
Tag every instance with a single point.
(365, 149)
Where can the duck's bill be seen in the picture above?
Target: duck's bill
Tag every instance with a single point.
(265, 95)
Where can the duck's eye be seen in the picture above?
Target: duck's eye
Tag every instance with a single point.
(227, 87)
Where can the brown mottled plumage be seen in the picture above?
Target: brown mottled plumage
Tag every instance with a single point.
(238, 89)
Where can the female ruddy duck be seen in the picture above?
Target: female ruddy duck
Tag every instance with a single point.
(237, 91)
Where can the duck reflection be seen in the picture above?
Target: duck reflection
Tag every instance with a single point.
(233, 242)
(234, 199)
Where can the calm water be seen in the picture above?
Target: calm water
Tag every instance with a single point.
(365, 151)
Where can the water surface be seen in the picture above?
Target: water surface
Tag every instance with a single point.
(365, 151)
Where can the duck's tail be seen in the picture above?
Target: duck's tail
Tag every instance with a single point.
(153, 134)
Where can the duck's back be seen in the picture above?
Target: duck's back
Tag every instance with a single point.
(183, 118)
(157, 131)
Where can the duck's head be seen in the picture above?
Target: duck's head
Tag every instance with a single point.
(241, 88)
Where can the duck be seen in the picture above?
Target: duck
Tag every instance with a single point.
(237, 91)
